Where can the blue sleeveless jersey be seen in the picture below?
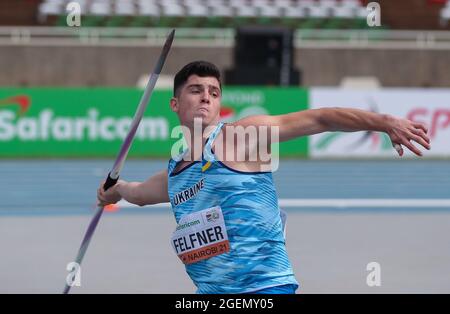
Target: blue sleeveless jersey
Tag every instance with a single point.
(257, 256)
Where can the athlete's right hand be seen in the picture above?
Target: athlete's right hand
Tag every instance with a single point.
(111, 196)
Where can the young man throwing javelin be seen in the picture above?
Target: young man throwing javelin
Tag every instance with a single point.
(229, 232)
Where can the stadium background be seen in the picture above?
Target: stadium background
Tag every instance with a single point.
(350, 199)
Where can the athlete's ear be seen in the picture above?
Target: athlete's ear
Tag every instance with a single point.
(174, 104)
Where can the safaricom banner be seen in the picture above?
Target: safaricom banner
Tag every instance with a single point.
(92, 122)
(48, 122)
(429, 106)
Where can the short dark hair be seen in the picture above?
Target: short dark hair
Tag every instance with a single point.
(200, 68)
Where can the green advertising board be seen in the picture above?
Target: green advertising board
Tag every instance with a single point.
(92, 122)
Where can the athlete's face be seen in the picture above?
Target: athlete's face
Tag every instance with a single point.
(199, 97)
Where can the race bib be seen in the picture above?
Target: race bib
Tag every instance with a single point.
(201, 235)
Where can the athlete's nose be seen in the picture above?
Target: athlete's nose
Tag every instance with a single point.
(205, 97)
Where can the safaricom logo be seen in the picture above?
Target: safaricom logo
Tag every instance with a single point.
(91, 127)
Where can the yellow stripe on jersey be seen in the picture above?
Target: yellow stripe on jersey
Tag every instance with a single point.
(206, 166)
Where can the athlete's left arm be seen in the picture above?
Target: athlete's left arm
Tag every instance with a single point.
(313, 121)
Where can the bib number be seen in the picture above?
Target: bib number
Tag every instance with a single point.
(201, 235)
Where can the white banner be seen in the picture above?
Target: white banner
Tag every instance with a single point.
(429, 106)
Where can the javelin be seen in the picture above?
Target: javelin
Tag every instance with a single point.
(113, 175)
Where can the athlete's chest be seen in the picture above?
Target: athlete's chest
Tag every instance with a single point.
(198, 185)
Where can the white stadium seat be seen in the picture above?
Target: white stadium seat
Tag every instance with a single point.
(220, 3)
(100, 7)
(145, 3)
(192, 3)
(343, 12)
(307, 3)
(53, 8)
(295, 12)
(270, 11)
(318, 11)
(246, 11)
(172, 9)
(237, 3)
(222, 11)
(445, 16)
(329, 4)
(149, 9)
(55, 2)
(197, 10)
(124, 7)
(351, 4)
(260, 3)
(282, 4)
(362, 12)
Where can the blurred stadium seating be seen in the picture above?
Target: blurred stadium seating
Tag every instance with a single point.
(331, 38)
(211, 13)
(299, 14)
(306, 14)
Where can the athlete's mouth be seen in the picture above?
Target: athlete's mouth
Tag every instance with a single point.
(203, 109)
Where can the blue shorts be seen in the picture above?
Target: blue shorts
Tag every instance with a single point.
(284, 289)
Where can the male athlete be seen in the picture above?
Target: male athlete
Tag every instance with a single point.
(229, 232)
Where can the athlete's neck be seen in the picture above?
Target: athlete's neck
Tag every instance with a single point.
(196, 140)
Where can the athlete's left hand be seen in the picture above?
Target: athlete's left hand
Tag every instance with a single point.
(403, 131)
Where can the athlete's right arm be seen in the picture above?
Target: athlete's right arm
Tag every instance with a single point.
(151, 191)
